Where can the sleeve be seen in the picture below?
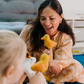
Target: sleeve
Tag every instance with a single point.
(63, 54)
(24, 32)
(23, 35)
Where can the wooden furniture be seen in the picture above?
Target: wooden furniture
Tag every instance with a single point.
(77, 24)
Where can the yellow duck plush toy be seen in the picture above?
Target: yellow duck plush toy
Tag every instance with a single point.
(48, 42)
(41, 65)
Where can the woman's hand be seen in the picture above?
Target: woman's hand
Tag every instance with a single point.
(51, 62)
(48, 51)
(36, 79)
(53, 67)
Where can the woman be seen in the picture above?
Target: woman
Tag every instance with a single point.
(62, 66)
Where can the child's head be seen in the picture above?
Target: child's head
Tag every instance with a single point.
(12, 56)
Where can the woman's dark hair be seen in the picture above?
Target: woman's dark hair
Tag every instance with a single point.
(38, 31)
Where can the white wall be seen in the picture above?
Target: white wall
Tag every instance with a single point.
(72, 7)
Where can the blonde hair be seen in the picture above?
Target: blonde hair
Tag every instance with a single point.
(12, 47)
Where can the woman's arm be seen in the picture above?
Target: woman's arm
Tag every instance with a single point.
(62, 55)
(24, 35)
(53, 66)
(24, 32)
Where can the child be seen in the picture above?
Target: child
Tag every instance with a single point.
(12, 57)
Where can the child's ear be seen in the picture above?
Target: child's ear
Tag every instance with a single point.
(9, 72)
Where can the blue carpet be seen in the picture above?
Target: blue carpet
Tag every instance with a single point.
(80, 58)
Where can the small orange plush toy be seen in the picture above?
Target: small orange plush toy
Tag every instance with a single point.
(48, 42)
(30, 73)
(41, 65)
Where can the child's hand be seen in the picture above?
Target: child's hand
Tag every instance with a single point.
(36, 79)
(22, 79)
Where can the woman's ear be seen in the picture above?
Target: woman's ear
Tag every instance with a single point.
(9, 72)
(61, 17)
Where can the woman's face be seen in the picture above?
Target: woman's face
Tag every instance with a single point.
(50, 20)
